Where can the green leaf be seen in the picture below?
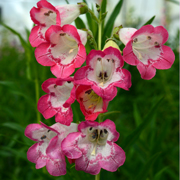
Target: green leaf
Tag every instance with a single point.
(103, 11)
(103, 6)
(14, 126)
(158, 174)
(23, 42)
(130, 139)
(111, 20)
(173, 1)
(137, 115)
(79, 23)
(144, 171)
(149, 21)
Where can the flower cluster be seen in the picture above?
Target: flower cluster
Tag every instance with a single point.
(89, 144)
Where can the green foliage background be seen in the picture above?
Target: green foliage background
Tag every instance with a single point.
(147, 122)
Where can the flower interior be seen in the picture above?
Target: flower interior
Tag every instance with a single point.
(59, 94)
(66, 49)
(46, 16)
(147, 47)
(97, 137)
(92, 101)
(104, 70)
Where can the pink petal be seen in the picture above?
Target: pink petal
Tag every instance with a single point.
(30, 129)
(42, 55)
(34, 153)
(45, 107)
(41, 162)
(64, 117)
(125, 82)
(115, 160)
(81, 56)
(85, 124)
(87, 165)
(148, 29)
(129, 56)
(80, 76)
(35, 37)
(163, 32)
(147, 71)
(72, 31)
(115, 52)
(166, 58)
(47, 83)
(56, 167)
(69, 145)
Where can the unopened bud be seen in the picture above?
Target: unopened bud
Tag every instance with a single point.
(116, 32)
(83, 7)
(111, 43)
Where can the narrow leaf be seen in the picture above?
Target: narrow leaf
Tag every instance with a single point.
(158, 174)
(149, 21)
(142, 175)
(79, 23)
(112, 18)
(173, 1)
(23, 42)
(130, 139)
(14, 126)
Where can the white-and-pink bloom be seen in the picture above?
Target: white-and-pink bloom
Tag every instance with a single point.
(60, 95)
(46, 15)
(47, 149)
(104, 73)
(145, 49)
(64, 51)
(91, 104)
(93, 147)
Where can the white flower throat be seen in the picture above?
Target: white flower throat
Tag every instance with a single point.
(146, 47)
(104, 70)
(97, 137)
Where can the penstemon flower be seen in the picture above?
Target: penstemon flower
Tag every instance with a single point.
(61, 94)
(63, 50)
(91, 104)
(145, 49)
(93, 147)
(104, 72)
(46, 15)
(47, 151)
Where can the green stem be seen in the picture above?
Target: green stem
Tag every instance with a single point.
(37, 98)
(97, 177)
(99, 36)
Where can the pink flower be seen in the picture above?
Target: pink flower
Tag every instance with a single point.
(47, 151)
(61, 94)
(145, 49)
(63, 50)
(91, 104)
(93, 147)
(46, 15)
(104, 72)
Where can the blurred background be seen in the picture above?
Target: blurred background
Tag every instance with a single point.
(148, 132)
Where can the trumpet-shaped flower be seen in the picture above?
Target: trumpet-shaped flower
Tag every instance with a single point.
(145, 49)
(47, 151)
(104, 72)
(46, 15)
(63, 50)
(93, 147)
(91, 104)
(61, 94)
